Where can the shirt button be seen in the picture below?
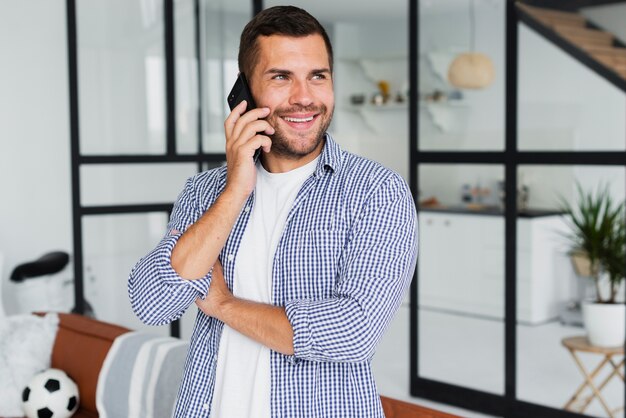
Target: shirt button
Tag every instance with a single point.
(246, 209)
(231, 257)
(205, 406)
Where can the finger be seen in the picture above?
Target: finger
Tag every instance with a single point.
(236, 112)
(248, 148)
(252, 129)
(261, 141)
(248, 117)
(234, 116)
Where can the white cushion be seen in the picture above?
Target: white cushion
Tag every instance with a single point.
(25, 349)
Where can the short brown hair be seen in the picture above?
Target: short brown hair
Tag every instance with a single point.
(278, 20)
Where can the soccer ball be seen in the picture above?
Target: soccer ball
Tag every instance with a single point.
(50, 394)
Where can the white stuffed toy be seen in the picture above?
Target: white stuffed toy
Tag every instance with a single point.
(25, 349)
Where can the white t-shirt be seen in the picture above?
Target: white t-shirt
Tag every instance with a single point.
(242, 386)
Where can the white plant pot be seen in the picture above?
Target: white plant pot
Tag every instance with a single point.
(605, 323)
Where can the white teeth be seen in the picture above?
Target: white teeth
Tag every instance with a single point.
(298, 120)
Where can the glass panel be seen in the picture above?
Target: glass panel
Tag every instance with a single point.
(550, 290)
(222, 23)
(121, 184)
(452, 117)
(578, 110)
(121, 77)
(112, 246)
(187, 103)
(461, 276)
(370, 48)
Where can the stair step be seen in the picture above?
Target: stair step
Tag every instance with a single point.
(539, 12)
(620, 67)
(604, 50)
(584, 42)
(610, 60)
(591, 34)
(552, 22)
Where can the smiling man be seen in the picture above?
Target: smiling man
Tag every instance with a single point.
(297, 260)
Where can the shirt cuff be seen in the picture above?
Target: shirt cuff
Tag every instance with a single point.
(171, 277)
(298, 316)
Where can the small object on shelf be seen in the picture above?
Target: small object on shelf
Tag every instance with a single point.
(523, 193)
(357, 99)
(479, 193)
(383, 87)
(378, 99)
(455, 95)
(399, 98)
(466, 193)
(476, 206)
(501, 194)
(431, 202)
(437, 96)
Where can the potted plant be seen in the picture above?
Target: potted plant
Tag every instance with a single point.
(598, 250)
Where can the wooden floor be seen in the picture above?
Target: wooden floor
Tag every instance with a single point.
(398, 409)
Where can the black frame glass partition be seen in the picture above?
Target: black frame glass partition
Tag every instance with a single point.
(165, 110)
(531, 227)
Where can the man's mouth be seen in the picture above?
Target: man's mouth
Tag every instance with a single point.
(298, 120)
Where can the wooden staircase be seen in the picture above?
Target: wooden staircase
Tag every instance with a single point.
(574, 28)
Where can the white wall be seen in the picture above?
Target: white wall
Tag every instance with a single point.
(35, 213)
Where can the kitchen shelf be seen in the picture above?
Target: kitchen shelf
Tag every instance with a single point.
(488, 211)
(447, 116)
(366, 110)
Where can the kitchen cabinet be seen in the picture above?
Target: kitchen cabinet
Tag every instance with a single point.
(461, 265)
(545, 277)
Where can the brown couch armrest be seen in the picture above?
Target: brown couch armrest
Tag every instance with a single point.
(80, 348)
(398, 409)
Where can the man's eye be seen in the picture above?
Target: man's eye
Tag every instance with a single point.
(280, 77)
(319, 77)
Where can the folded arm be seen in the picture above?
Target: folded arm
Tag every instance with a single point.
(163, 284)
(264, 323)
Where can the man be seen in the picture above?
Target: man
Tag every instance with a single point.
(297, 261)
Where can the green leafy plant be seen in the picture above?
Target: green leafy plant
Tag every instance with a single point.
(598, 232)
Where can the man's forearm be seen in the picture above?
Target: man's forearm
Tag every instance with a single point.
(197, 249)
(266, 324)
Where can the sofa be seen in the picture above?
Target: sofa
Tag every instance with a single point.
(80, 347)
(82, 344)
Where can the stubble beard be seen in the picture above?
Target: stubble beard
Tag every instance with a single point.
(299, 145)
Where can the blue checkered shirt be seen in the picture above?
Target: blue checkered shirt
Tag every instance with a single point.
(341, 269)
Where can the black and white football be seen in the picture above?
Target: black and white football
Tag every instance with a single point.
(50, 394)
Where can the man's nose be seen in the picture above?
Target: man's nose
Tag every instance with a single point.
(301, 94)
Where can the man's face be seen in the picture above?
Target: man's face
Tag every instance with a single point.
(292, 77)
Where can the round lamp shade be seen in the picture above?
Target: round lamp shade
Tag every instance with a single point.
(471, 70)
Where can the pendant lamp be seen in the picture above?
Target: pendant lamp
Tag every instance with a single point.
(471, 70)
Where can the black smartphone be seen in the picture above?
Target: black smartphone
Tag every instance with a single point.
(240, 92)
